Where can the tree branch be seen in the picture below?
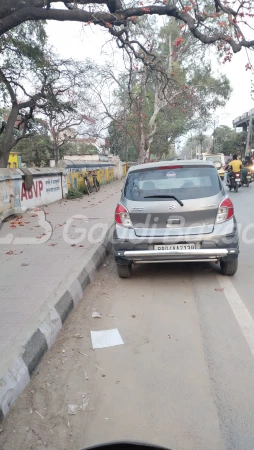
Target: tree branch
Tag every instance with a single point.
(8, 86)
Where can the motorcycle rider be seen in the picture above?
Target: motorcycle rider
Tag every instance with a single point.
(235, 165)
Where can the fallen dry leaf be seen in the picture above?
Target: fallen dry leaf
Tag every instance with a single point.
(73, 245)
(219, 289)
(12, 226)
(20, 217)
(9, 253)
(52, 245)
(24, 264)
(34, 215)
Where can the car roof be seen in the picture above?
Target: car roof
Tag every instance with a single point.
(176, 162)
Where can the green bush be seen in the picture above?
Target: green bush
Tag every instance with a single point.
(74, 193)
(83, 189)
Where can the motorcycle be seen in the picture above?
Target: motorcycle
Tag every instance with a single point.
(246, 177)
(234, 181)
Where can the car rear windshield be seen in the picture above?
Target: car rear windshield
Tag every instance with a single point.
(214, 158)
(182, 182)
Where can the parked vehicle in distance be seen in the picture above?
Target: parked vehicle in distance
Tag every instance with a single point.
(175, 211)
(219, 162)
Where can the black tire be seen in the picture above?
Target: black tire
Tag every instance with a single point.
(236, 188)
(124, 271)
(96, 185)
(229, 268)
(88, 188)
(247, 183)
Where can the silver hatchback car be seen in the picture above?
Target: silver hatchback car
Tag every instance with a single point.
(175, 211)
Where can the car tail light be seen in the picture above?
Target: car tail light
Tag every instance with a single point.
(225, 211)
(122, 216)
(249, 173)
(169, 167)
(237, 175)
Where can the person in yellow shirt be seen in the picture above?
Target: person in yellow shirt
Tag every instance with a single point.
(235, 165)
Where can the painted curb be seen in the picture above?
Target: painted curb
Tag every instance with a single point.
(17, 377)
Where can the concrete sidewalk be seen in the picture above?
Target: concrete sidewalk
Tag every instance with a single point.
(41, 281)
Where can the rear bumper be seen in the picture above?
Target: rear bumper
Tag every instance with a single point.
(125, 257)
(221, 244)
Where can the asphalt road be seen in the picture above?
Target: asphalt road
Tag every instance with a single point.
(184, 376)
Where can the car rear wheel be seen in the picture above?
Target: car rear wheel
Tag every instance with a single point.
(124, 271)
(229, 268)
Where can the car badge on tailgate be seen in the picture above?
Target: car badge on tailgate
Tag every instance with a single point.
(138, 208)
(172, 205)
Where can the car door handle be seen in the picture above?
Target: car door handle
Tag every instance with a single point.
(173, 221)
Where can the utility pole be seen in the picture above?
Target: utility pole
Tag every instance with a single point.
(214, 125)
(247, 148)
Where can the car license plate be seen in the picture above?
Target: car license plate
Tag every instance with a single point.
(173, 247)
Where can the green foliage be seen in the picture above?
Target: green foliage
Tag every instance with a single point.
(23, 52)
(227, 140)
(74, 193)
(79, 148)
(35, 150)
(192, 94)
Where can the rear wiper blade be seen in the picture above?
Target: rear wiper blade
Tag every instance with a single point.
(165, 196)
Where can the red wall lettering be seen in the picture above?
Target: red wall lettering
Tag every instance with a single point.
(23, 192)
(36, 190)
(40, 186)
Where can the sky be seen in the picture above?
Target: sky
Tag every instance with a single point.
(80, 42)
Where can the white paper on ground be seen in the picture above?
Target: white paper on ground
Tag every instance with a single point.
(106, 338)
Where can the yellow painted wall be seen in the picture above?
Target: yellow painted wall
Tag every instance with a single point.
(75, 180)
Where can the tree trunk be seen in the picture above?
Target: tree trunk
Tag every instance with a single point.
(141, 124)
(57, 155)
(8, 142)
(160, 101)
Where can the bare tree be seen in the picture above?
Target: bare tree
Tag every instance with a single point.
(66, 127)
(32, 87)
